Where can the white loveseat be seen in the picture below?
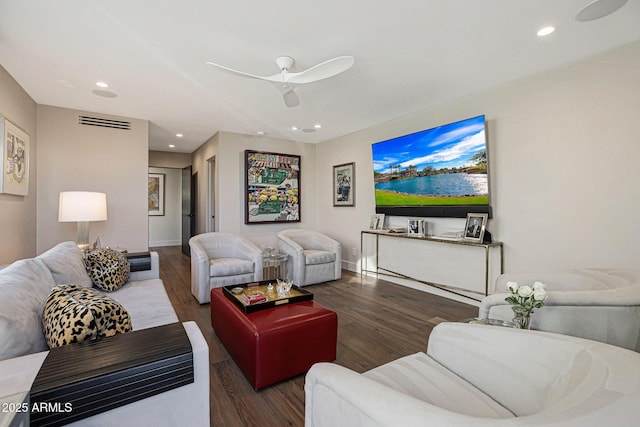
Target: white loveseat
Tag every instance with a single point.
(478, 375)
(24, 286)
(597, 304)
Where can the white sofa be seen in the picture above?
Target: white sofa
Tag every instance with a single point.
(597, 304)
(222, 259)
(24, 286)
(478, 375)
(313, 257)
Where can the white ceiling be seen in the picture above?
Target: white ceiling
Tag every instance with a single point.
(410, 55)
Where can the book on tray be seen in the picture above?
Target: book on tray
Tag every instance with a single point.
(254, 298)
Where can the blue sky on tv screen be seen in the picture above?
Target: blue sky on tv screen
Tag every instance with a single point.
(446, 146)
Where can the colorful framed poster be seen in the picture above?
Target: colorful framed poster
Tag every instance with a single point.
(272, 187)
(344, 186)
(15, 159)
(156, 194)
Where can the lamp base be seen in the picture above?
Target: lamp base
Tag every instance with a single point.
(83, 235)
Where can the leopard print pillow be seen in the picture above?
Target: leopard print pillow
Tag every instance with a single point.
(108, 269)
(74, 313)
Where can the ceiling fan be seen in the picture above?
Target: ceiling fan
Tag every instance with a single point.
(286, 81)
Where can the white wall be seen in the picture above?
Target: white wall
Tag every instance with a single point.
(563, 152)
(89, 158)
(18, 213)
(166, 230)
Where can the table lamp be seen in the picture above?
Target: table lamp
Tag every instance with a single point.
(82, 207)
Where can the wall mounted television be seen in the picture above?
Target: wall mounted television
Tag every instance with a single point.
(439, 172)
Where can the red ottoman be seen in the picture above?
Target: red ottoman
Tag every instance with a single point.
(276, 343)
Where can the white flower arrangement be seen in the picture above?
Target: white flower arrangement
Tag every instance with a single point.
(527, 297)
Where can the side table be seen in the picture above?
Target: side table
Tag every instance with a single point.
(274, 266)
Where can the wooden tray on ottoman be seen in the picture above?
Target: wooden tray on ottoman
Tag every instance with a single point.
(296, 294)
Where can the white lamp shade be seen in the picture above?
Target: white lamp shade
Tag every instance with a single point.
(76, 206)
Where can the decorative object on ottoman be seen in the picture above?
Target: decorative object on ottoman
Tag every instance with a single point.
(108, 269)
(277, 343)
(74, 313)
(523, 300)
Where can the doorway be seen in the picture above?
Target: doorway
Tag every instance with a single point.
(189, 198)
(211, 199)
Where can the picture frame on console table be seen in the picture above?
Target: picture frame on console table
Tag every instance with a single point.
(272, 187)
(377, 222)
(344, 186)
(14, 148)
(475, 227)
(416, 227)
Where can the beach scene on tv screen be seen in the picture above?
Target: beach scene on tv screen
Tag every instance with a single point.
(443, 166)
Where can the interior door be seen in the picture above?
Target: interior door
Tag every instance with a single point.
(189, 194)
(211, 217)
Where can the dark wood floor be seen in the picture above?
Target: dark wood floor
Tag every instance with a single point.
(377, 322)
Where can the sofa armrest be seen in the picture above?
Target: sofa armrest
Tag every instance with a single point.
(337, 396)
(153, 273)
(187, 405)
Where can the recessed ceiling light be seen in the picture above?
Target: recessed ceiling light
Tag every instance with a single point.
(599, 9)
(172, 146)
(102, 84)
(104, 93)
(179, 135)
(260, 133)
(318, 126)
(545, 31)
(294, 128)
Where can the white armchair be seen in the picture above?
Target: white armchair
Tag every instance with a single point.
(597, 304)
(222, 259)
(313, 257)
(479, 375)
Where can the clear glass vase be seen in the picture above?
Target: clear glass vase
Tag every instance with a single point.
(522, 317)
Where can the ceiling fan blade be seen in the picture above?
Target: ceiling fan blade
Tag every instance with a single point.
(322, 71)
(241, 73)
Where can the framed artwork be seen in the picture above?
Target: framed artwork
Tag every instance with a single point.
(416, 227)
(15, 159)
(377, 222)
(272, 187)
(156, 194)
(475, 227)
(344, 185)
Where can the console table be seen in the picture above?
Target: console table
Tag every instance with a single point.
(457, 290)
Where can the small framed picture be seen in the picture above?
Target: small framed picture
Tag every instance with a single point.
(344, 189)
(156, 194)
(377, 222)
(475, 227)
(416, 227)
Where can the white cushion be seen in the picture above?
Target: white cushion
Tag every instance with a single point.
(421, 377)
(66, 264)
(229, 267)
(24, 287)
(147, 303)
(313, 256)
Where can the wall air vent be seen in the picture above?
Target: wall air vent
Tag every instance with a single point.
(105, 123)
